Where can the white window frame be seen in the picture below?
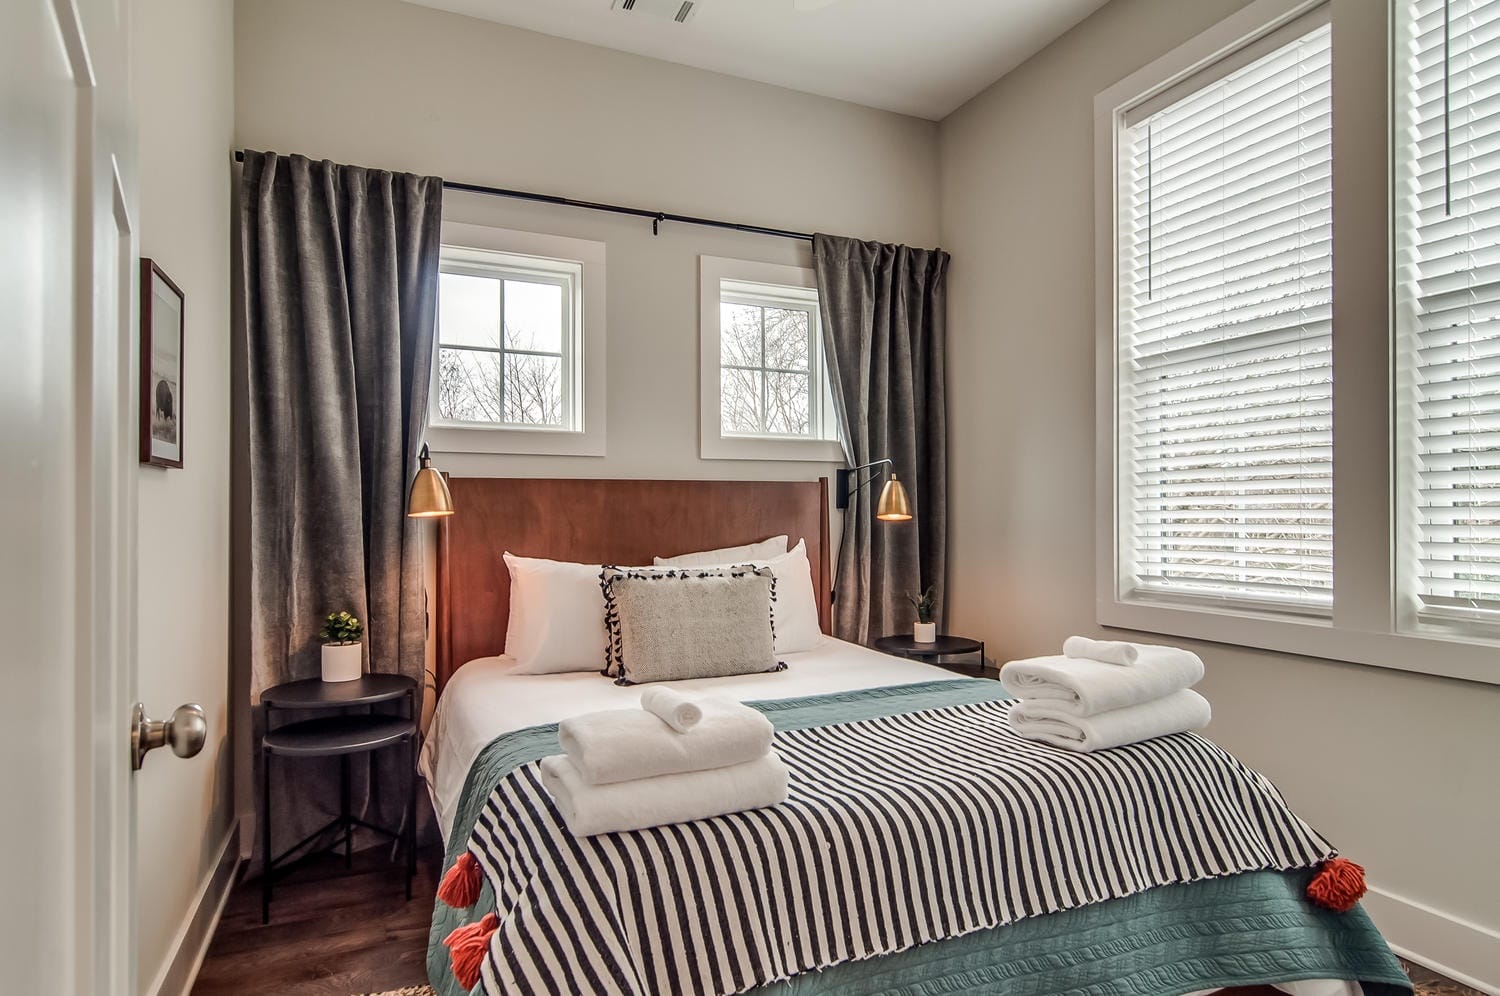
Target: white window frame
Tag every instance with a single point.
(578, 266)
(1412, 616)
(770, 284)
(1364, 626)
(507, 267)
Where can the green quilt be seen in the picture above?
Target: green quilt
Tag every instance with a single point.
(1240, 930)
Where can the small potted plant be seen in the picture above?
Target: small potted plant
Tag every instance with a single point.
(924, 630)
(343, 655)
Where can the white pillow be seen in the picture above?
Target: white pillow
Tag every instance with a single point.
(556, 616)
(794, 612)
(764, 550)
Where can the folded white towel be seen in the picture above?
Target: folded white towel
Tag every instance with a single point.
(1087, 687)
(617, 745)
(675, 709)
(652, 802)
(1041, 720)
(1120, 652)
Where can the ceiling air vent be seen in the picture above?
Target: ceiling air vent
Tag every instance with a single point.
(669, 10)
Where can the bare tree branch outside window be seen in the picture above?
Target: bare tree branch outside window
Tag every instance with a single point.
(506, 372)
(765, 373)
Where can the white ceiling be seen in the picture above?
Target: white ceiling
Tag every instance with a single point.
(920, 57)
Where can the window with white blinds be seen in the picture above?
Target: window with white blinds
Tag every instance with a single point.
(1447, 220)
(1224, 333)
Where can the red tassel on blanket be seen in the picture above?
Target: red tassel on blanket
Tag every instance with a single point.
(460, 887)
(466, 947)
(1337, 885)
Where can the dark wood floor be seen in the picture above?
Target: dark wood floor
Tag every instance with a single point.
(336, 933)
(332, 932)
(1429, 983)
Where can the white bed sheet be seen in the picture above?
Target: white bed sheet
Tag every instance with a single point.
(484, 700)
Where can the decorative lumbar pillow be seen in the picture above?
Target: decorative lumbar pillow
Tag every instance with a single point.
(750, 553)
(556, 616)
(668, 625)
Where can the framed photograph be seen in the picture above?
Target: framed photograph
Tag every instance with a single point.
(161, 367)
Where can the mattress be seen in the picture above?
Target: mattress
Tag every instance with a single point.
(485, 700)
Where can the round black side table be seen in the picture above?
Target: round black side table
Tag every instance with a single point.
(341, 736)
(933, 653)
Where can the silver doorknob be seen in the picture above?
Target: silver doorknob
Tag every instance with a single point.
(186, 731)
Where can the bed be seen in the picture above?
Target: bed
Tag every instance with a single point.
(1208, 932)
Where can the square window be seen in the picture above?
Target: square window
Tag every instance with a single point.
(508, 341)
(766, 355)
(766, 394)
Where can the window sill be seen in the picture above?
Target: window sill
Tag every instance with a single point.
(716, 447)
(503, 440)
(1448, 656)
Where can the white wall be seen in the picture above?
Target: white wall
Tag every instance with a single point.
(1397, 768)
(182, 78)
(490, 104)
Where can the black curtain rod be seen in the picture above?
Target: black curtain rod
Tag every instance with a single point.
(657, 217)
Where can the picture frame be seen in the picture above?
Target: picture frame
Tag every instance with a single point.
(163, 305)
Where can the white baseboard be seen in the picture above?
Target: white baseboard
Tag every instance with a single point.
(1463, 951)
(185, 957)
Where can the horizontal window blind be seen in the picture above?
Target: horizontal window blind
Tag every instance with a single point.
(1448, 282)
(1225, 338)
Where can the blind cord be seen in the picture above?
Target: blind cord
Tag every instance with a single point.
(1150, 230)
(1447, 108)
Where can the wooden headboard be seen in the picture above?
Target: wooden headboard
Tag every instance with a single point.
(601, 522)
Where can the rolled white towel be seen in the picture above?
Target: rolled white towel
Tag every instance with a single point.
(1042, 720)
(1086, 687)
(652, 802)
(618, 745)
(1120, 652)
(675, 709)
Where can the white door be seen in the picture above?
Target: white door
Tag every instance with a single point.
(67, 503)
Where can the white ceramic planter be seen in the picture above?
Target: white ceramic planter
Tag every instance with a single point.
(924, 632)
(343, 661)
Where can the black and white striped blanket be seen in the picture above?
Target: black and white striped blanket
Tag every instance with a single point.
(898, 831)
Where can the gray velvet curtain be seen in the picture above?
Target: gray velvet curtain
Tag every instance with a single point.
(338, 290)
(884, 333)
(340, 272)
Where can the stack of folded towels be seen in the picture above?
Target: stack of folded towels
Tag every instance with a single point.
(673, 760)
(1103, 693)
